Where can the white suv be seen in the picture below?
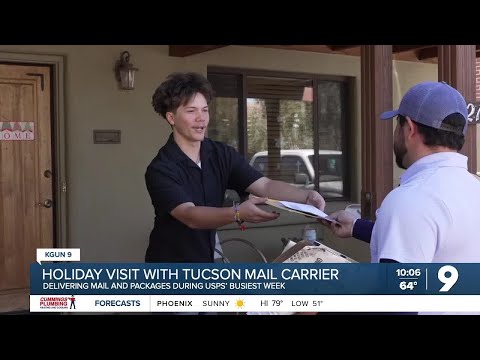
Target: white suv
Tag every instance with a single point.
(296, 167)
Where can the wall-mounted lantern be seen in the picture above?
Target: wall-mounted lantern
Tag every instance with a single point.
(125, 72)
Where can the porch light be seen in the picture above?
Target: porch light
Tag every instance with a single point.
(125, 72)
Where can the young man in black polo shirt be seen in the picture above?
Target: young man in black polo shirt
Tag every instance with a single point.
(188, 178)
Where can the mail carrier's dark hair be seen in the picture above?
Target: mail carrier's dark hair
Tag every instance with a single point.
(450, 135)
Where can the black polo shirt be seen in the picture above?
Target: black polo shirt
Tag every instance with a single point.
(172, 178)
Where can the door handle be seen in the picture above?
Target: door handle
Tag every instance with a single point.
(46, 203)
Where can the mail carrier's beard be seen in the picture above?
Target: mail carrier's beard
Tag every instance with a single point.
(400, 151)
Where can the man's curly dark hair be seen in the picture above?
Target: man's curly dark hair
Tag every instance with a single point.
(178, 89)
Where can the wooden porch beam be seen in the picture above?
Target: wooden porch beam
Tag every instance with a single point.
(377, 136)
(187, 50)
(456, 66)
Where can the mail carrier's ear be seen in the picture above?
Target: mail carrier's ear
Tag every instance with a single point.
(412, 128)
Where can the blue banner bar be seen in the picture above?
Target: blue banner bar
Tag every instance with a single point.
(254, 279)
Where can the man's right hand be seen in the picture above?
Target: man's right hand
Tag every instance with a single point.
(250, 212)
(344, 226)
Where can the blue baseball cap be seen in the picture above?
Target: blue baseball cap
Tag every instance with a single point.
(429, 103)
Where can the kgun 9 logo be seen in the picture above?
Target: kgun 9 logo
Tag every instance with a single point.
(449, 281)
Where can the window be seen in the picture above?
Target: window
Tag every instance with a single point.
(291, 127)
(225, 116)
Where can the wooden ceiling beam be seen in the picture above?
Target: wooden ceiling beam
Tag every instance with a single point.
(403, 48)
(422, 52)
(395, 48)
(432, 52)
(187, 50)
(341, 47)
(427, 53)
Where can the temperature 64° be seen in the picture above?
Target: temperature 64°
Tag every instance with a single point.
(410, 285)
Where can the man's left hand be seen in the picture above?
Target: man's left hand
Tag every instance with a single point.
(315, 199)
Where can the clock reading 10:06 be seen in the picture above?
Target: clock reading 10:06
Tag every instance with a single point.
(409, 272)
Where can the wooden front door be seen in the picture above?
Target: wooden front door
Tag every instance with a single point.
(26, 178)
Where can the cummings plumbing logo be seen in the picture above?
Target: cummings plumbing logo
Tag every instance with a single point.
(72, 302)
(54, 302)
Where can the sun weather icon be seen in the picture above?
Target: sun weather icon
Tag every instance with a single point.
(240, 303)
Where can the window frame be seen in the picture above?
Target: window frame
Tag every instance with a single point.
(346, 120)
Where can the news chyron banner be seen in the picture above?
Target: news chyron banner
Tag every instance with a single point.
(263, 288)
